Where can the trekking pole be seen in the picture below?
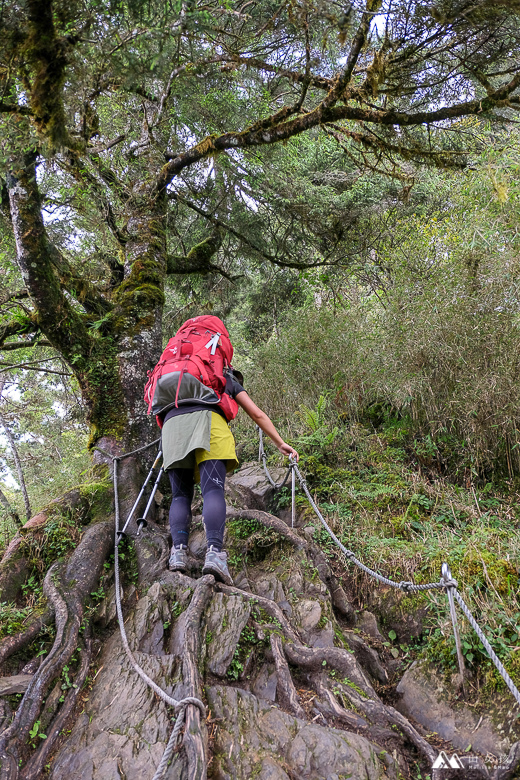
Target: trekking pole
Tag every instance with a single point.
(122, 533)
(142, 522)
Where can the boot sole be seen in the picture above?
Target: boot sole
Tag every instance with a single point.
(218, 575)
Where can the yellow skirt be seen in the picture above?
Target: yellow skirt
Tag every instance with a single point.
(176, 432)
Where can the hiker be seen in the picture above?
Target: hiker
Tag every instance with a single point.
(194, 392)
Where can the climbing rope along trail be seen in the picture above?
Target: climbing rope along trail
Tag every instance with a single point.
(178, 705)
(446, 582)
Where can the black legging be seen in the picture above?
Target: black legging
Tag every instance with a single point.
(212, 478)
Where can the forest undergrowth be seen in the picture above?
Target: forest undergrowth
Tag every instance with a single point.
(404, 519)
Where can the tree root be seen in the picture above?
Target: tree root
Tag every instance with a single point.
(337, 594)
(152, 551)
(12, 644)
(285, 692)
(510, 769)
(268, 605)
(66, 587)
(195, 733)
(331, 707)
(315, 658)
(382, 715)
(33, 770)
(371, 716)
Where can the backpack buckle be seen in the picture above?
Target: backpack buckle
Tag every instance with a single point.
(213, 343)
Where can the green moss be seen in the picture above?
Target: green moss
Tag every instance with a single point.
(12, 618)
(43, 547)
(322, 622)
(98, 497)
(103, 390)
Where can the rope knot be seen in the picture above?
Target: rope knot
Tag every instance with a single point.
(406, 586)
(451, 583)
(447, 580)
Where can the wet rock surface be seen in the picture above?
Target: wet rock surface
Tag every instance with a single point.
(259, 740)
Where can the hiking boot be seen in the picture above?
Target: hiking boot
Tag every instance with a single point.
(216, 564)
(178, 558)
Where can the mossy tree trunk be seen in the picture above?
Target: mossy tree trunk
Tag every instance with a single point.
(109, 341)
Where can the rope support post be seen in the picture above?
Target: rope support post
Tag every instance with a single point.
(450, 584)
(446, 583)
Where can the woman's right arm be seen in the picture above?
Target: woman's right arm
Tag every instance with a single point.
(265, 423)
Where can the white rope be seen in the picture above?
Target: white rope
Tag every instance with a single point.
(446, 583)
(178, 705)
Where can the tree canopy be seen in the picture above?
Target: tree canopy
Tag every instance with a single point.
(147, 141)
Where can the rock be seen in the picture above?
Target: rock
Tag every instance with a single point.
(18, 683)
(250, 487)
(149, 618)
(257, 740)
(69, 501)
(324, 637)
(269, 586)
(35, 522)
(367, 623)
(295, 584)
(226, 617)
(242, 581)
(264, 684)
(425, 697)
(13, 571)
(308, 614)
(286, 608)
(197, 544)
(106, 611)
(124, 727)
(399, 612)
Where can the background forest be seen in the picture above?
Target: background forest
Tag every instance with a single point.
(341, 185)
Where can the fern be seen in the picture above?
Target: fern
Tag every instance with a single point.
(373, 491)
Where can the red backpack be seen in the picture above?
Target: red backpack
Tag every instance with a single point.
(191, 368)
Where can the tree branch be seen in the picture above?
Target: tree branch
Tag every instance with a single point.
(82, 290)
(343, 79)
(13, 108)
(47, 57)
(320, 82)
(56, 317)
(25, 345)
(18, 328)
(325, 114)
(241, 237)
(198, 259)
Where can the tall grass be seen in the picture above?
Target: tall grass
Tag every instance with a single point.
(443, 354)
